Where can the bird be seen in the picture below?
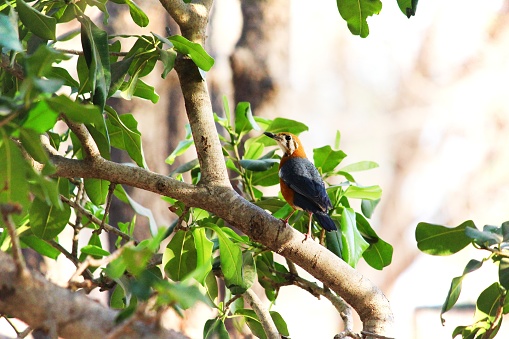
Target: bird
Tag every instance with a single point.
(300, 182)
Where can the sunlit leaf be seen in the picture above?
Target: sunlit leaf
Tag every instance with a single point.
(41, 25)
(195, 51)
(440, 240)
(355, 13)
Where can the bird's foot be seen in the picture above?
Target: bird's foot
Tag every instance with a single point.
(306, 236)
(285, 222)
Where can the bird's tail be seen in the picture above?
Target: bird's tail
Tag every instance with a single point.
(325, 221)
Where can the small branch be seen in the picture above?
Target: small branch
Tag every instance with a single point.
(76, 52)
(7, 210)
(88, 144)
(74, 259)
(90, 261)
(13, 68)
(269, 327)
(111, 189)
(94, 219)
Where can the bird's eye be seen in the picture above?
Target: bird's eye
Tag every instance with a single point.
(288, 138)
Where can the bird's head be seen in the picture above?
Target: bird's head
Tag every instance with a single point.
(288, 142)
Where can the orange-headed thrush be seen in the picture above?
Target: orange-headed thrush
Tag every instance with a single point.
(301, 184)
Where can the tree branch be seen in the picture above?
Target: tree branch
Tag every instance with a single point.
(369, 302)
(6, 210)
(73, 315)
(90, 149)
(269, 327)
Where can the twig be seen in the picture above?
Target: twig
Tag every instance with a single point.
(76, 52)
(13, 68)
(88, 144)
(6, 210)
(269, 327)
(90, 261)
(107, 227)
(73, 258)
(341, 306)
(111, 189)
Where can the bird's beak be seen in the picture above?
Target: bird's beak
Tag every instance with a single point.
(270, 135)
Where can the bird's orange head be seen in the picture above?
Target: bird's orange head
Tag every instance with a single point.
(289, 143)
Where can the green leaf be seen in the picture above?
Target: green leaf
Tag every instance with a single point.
(266, 178)
(41, 117)
(379, 253)
(136, 259)
(231, 261)
(47, 221)
(258, 165)
(129, 139)
(13, 173)
(121, 194)
(195, 51)
(368, 207)
(116, 268)
(255, 150)
(455, 288)
(360, 166)
(119, 70)
(63, 74)
(285, 125)
(210, 284)
(40, 246)
(256, 327)
(168, 58)
(353, 242)
(365, 193)
(8, 34)
(334, 243)
(138, 16)
(215, 329)
(96, 50)
(184, 296)
(40, 63)
(486, 237)
(181, 148)
(503, 273)
(77, 112)
(32, 144)
(97, 190)
(140, 89)
(440, 240)
(355, 13)
(95, 251)
(327, 159)
(41, 25)
(408, 7)
(244, 121)
(180, 256)
(203, 248)
(489, 302)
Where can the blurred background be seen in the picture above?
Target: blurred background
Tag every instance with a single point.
(426, 98)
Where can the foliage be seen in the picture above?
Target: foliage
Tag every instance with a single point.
(38, 92)
(356, 12)
(492, 303)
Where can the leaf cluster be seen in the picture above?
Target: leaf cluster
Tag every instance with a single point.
(492, 303)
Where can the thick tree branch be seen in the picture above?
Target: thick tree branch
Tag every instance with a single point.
(72, 315)
(369, 302)
(192, 18)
